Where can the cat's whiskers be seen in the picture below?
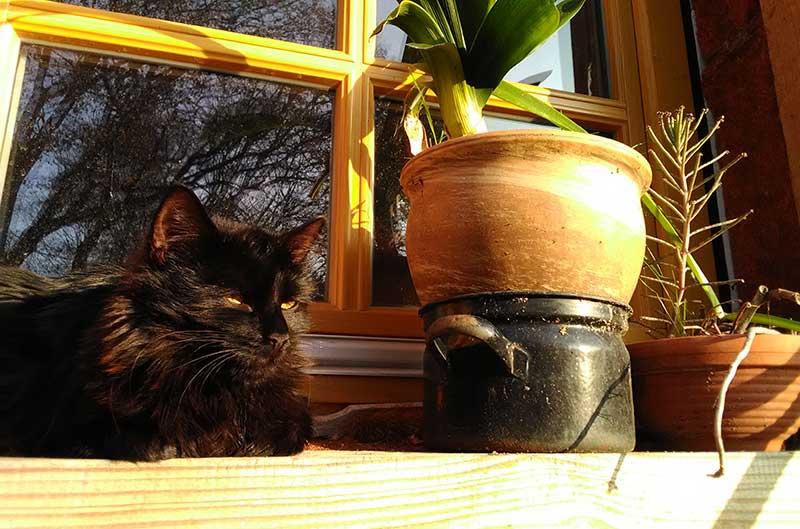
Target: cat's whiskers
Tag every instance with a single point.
(217, 367)
(180, 400)
(192, 336)
(208, 342)
(205, 356)
(210, 366)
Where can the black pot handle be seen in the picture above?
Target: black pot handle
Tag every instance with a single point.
(513, 355)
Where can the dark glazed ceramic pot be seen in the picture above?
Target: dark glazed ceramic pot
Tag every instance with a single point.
(527, 372)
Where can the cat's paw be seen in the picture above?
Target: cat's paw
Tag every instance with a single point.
(293, 438)
(165, 452)
(137, 449)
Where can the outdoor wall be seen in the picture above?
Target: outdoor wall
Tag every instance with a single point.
(750, 73)
(781, 20)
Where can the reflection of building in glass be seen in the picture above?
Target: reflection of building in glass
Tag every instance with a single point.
(550, 66)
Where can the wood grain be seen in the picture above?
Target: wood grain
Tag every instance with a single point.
(385, 489)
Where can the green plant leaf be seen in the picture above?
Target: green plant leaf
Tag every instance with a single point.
(472, 14)
(512, 30)
(443, 20)
(451, 10)
(769, 321)
(469, 45)
(513, 94)
(427, 28)
(568, 9)
(416, 22)
(458, 102)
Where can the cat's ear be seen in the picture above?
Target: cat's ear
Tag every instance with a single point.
(300, 240)
(180, 219)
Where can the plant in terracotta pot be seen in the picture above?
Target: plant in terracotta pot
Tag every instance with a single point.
(678, 379)
(541, 230)
(544, 210)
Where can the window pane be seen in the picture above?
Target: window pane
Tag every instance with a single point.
(99, 139)
(391, 280)
(496, 122)
(311, 22)
(573, 60)
(391, 42)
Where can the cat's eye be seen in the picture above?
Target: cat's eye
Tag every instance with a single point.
(289, 305)
(238, 304)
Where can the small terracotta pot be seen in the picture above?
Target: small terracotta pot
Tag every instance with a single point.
(533, 210)
(676, 382)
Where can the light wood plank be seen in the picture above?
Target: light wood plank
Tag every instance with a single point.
(383, 489)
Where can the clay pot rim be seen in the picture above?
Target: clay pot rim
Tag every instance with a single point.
(693, 352)
(640, 167)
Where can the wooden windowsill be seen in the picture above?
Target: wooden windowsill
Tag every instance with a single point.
(324, 488)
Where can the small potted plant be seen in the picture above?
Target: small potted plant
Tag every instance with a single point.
(678, 378)
(528, 243)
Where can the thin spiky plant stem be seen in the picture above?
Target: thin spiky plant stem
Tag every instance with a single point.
(677, 155)
(681, 145)
(679, 148)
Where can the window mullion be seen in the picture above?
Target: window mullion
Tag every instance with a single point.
(362, 150)
(624, 68)
(143, 38)
(350, 209)
(12, 67)
(364, 167)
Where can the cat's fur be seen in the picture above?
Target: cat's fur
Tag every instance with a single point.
(156, 358)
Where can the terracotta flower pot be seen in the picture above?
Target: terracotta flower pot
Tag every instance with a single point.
(676, 382)
(535, 210)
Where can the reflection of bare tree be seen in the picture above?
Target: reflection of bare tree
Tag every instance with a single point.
(99, 138)
(410, 55)
(391, 279)
(310, 22)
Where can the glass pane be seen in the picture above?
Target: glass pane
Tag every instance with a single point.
(391, 42)
(495, 122)
(99, 139)
(311, 22)
(391, 280)
(573, 60)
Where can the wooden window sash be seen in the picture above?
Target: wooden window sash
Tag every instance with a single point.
(355, 74)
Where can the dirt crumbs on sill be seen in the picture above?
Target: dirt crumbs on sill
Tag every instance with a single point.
(381, 427)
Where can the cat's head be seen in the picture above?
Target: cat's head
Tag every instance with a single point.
(204, 292)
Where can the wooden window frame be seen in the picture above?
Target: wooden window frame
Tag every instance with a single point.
(357, 77)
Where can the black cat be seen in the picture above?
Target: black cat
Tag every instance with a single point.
(187, 350)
